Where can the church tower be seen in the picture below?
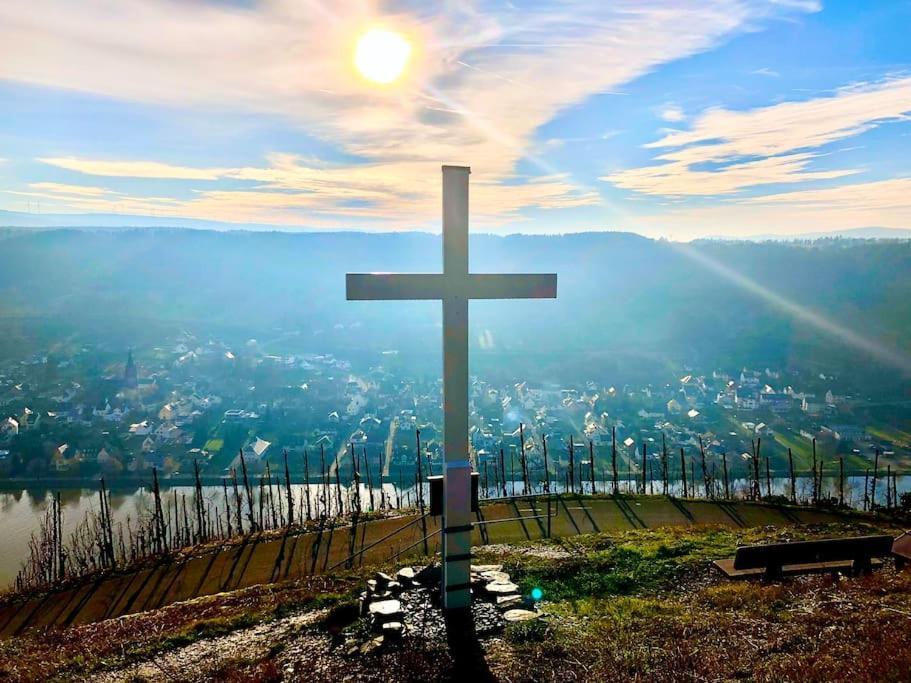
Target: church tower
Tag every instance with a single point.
(130, 379)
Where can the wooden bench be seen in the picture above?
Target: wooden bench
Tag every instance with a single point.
(775, 560)
(901, 550)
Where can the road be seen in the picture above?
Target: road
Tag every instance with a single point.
(390, 446)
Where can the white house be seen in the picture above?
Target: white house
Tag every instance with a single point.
(167, 431)
(141, 428)
(167, 412)
(9, 427)
(255, 451)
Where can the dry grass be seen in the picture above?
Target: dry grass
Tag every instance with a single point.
(58, 652)
(643, 605)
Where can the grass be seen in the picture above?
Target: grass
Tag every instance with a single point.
(801, 449)
(891, 435)
(637, 605)
(645, 606)
(68, 653)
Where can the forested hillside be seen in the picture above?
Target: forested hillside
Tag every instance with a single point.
(620, 295)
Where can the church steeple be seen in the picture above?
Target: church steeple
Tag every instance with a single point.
(130, 379)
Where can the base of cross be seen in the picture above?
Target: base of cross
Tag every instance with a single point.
(456, 583)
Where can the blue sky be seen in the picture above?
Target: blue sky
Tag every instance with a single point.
(673, 119)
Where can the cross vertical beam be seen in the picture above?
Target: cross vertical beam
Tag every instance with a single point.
(457, 467)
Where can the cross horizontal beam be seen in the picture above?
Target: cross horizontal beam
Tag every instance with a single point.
(437, 286)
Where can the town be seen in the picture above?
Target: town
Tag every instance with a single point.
(89, 411)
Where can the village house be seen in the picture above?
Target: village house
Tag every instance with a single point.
(140, 428)
(254, 452)
(9, 428)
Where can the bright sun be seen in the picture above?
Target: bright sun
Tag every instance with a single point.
(381, 55)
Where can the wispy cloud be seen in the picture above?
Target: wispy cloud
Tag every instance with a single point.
(131, 169)
(78, 190)
(673, 114)
(881, 203)
(764, 145)
(498, 75)
(289, 189)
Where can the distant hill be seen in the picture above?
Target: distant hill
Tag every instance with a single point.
(854, 233)
(14, 219)
(621, 296)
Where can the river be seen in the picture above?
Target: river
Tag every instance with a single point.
(21, 510)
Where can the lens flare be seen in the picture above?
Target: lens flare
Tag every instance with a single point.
(537, 594)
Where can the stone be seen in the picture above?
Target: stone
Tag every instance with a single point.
(479, 568)
(382, 579)
(386, 610)
(405, 575)
(394, 587)
(393, 629)
(505, 601)
(501, 587)
(371, 645)
(501, 577)
(514, 615)
(371, 585)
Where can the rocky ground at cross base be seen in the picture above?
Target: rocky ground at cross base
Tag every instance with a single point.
(641, 605)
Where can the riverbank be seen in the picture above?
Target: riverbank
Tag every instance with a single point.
(261, 558)
(122, 483)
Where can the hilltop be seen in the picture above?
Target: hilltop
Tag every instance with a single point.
(621, 296)
(641, 604)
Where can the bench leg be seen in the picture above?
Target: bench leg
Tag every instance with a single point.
(900, 563)
(862, 565)
(773, 572)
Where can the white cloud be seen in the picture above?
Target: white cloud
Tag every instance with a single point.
(64, 189)
(765, 145)
(483, 80)
(803, 5)
(289, 185)
(672, 113)
(881, 203)
(131, 169)
(678, 179)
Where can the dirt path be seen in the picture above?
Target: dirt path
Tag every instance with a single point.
(203, 658)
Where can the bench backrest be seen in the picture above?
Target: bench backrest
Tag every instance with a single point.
(806, 552)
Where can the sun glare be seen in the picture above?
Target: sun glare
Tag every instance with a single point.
(381, 56)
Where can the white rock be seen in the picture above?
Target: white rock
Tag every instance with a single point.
(501, 587)
(371, 645)
(504, 601)
(405, 574)
(514, 615)
(385, 608)
(500, 577)
(486, 568)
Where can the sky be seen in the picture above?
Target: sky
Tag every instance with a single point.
(667, 118)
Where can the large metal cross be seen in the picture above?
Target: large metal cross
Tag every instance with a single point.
(454, 287)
